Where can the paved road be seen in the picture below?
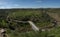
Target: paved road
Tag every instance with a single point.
(34, 27)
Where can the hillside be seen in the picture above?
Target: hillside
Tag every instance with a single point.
(42, 18)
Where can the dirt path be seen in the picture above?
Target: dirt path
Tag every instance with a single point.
(55, 16)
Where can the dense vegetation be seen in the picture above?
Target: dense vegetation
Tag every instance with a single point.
(38, 16)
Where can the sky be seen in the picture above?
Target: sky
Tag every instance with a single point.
(29, 3)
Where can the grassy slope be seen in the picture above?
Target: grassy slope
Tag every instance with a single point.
(39, 18)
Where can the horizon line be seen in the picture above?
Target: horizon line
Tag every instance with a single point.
(24, 8)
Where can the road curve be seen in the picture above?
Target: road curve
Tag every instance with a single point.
(35, 28)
